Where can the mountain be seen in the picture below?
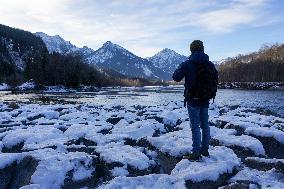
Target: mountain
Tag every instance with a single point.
(109, 56)
(115, 57)
(19, 47)
(57, 44)
(119, 59)
(20, 51)
(167, 60)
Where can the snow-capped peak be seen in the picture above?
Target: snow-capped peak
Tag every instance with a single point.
(167, 50)
(109, 50)
(114, 48)
(167, 60)
(57, 43)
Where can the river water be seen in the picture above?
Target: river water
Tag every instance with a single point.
(269, 100)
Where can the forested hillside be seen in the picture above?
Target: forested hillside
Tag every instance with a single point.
(22, 55)
(266, 65)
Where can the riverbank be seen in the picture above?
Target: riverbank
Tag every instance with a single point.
(252, 85)
(103, 142)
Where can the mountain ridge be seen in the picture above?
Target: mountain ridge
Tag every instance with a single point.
(114, 56)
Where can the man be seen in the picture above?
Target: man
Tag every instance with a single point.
(201, 79)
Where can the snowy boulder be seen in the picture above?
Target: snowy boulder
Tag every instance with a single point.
(138, 129)
(124, 154)
(243, 145)
(40, 136)
(157, 181)
(32, 186)
(55, 89)
(176, 144)
(267, 132)
(241, 185)
(262, 179)
(271, 138)
(114, 120)
(210, 172)
(61, 167)
(240, 130)
(18, 172)
(220, 123)
(263, 164)
(170, 118)
(29, 85)
(4, 87)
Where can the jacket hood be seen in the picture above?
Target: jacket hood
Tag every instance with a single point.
(199, 56)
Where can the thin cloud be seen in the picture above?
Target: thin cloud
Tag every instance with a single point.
(141, 26)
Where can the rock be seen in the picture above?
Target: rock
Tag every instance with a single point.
(105, 131)
(143, 142)
(133, 172)
(90, 182)
(80, 148)
(220, 123)
(167, 162)
(240, 151)
(81, 141)
(157, 118)
(170, 128)
(14, 149)
(9, 125)
(13, 105)
(18, 174)
(138, 107)
(207, 184)
(263, 164)
(114, 120)
(242, 185)
(239, 129)
(34, 117)
(6, 175)
(273, 148)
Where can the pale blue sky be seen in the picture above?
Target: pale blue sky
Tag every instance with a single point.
(227, 27)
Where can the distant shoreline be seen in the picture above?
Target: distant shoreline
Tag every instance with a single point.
(252, 85)
(279, 86)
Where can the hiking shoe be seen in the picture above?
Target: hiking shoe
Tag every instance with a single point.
(192, 156)
(205, 153)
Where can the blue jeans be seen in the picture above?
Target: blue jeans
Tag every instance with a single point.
(199, 119)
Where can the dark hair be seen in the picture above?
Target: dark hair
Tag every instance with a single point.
(196, 45)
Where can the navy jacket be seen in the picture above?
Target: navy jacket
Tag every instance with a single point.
(188, 71)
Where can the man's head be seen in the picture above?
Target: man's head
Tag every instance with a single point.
(196, 45)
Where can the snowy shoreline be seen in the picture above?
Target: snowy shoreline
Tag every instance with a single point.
(116, 145)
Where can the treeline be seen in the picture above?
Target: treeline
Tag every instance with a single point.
(21, 53)
(266, 65)
(24, 56)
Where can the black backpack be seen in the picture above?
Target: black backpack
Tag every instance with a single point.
(206, 81)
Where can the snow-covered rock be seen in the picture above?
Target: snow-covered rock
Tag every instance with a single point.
(29, 85)
(4, 87)
(57, 44)
(105, 142)
(222, 160)
(265, 179)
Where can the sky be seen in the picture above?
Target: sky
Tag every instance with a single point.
(227, 27)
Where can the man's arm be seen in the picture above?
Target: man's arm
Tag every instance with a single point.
(180, 72)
